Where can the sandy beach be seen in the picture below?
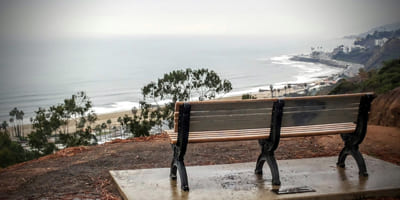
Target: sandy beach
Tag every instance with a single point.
(264, 93)
(101, 118)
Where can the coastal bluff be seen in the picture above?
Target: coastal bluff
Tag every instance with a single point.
(385, 109)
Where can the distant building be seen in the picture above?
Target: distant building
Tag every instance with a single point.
(381, 42)
(338, 50)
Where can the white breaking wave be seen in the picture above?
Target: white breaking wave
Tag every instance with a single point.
(123, 106)
(308, 72)
(116, 107)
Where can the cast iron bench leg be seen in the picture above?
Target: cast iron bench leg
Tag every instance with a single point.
(353, 140)
(270, 158)
(268, 146)
(179, 148)
(356, 155)
(179, 165)
(172, 173)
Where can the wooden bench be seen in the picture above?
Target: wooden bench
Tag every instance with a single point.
(267, 120)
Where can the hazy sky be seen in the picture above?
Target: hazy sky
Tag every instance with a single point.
(115, 18)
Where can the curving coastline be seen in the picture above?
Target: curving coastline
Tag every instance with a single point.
(349, 69)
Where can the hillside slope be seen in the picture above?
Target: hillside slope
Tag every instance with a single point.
(83, 172)
(385, 110)
(390, 50)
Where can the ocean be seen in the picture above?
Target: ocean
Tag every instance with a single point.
(112, 71)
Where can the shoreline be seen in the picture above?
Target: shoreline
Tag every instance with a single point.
(312, 86)
(297, 88)
(125, 102)
(349, 69)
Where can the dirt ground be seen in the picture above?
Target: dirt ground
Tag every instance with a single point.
(82, 172)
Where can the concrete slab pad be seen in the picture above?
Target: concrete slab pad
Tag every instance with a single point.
(238, 181)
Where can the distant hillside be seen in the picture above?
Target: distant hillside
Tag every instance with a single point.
(390, 50)
(387, 27)
(371, 50)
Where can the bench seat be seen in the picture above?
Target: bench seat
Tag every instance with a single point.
(263, 133)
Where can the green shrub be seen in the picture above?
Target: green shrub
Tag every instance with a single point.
(12, 152)
(345, 86)
(248, 96)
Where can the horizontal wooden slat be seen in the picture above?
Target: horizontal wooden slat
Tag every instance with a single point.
(262, 133)
(317, 132)
(230, 112)
(319, 117)
(230, 122)
(317, 127)
(224, 139)
(274, 99)
(239, 105)
(322, 103)
(225, 101)
(226, 112)
(230, 135)
(242, 116)
(328, 96)
(322, 107)
(313, 128)
(228, 116)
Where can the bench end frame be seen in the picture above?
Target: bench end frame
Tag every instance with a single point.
(268, 146)
(353, 140)
(179, 148)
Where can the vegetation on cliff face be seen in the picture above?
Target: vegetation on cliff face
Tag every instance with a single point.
(12, 152)
(385, 109)
(384, 80)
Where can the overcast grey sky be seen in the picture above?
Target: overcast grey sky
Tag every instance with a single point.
(116, 18)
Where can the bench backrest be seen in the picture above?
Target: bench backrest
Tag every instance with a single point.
(252, 114)
(228, 115)
(303, 111)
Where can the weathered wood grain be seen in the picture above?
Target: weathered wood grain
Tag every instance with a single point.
(263, 133)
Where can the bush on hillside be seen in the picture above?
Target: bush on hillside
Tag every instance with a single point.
(12, 152)
(248, 96)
